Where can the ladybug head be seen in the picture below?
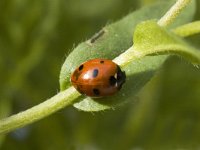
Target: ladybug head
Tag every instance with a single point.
(121, 77)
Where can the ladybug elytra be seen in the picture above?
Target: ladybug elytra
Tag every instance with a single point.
(98, 78)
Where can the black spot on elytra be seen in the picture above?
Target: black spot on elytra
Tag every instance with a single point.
(95, 73)
(101, 61)
(96, 91)
(112, 80)
(80, 68)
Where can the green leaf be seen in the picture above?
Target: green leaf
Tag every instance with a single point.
(150, 38)
(109, 43)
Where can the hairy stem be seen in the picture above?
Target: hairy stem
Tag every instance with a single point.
(188, 29)
(131, 54)
(40, 111)
(173, 12)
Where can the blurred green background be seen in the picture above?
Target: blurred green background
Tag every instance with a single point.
(35, 38)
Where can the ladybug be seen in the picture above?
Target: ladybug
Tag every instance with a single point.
(98, 78)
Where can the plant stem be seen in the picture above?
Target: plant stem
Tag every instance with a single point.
(40, 111)
(132, 54)
(188, 29)
(173, 12)
(128, 56)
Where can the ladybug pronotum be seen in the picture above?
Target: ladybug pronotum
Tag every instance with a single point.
(98, 78)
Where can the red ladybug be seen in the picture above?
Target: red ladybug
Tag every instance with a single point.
(98, 78)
